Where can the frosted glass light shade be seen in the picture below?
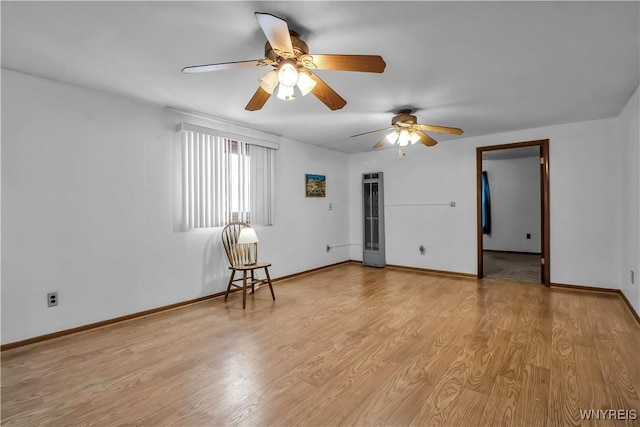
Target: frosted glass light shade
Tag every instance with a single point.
(288, 75)
(247, 235)
(403, 138)
(269, 81)
(286, 92)
(305, 83)
(414, 137)
(392, 137)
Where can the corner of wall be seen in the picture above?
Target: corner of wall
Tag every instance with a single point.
(629, 140)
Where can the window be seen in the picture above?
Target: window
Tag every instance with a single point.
(225, 179)
(239, 167)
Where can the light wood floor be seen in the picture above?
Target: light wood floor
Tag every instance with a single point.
(349, 345)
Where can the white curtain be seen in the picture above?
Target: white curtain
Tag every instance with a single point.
(223, 181)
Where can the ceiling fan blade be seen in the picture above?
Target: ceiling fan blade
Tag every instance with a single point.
(363, 63)
(328, 96)
(380, 143)
(258, 100)
(441, 129)
(426, 139)
(373, 131)
(276, 30)
(222, 66)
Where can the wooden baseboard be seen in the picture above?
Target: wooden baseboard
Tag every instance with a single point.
(630, 307)
(621, 294)
(584, 288)
(430, 271)
(108, 322)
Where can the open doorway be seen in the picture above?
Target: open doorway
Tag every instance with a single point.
(524, 253)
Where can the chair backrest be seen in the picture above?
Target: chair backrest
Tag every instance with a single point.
(237, 254)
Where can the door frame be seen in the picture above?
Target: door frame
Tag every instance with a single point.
(545, 213)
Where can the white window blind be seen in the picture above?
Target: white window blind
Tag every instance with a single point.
(225, 179)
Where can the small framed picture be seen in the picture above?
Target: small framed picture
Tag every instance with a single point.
(315, 185)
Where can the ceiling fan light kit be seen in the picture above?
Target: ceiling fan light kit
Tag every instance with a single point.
(287, 77)
(406, 130)
(289, 55)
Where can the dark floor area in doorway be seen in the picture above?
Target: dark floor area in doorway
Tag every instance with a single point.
(516, 266)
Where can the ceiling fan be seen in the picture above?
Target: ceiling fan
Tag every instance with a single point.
(406, 130)
(289, 55)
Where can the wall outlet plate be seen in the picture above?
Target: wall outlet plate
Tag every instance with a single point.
(52, 299)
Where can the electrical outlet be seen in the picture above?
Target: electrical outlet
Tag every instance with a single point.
(633, 279)
(330, 206)
(52, 299)
(528, 235)
(452, 204)
(328, 248)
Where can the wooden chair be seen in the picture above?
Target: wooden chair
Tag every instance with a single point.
(243, 258)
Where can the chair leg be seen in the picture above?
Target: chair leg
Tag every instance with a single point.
(266, 271)
(226, 294)
(244, 288)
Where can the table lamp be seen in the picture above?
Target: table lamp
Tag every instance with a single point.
(247, 237)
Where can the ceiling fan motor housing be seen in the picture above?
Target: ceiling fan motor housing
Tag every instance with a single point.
(404, 118)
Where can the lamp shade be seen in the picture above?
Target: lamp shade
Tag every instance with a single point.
(403, 139)
(414, 137)
(247, 235)
(392, 137)
(287, 74)
(286, 93)
(269, 81)
(305, 83)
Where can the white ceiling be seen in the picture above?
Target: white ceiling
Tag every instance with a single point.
(485, 67)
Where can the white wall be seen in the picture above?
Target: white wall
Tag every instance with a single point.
(515, 204)
(424, 176)
(90, 208)
(585, 201)
(630, 159)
